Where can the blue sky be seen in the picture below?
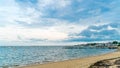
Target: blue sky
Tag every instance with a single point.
(59, 21)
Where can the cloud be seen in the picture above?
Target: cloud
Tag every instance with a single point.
(59, 20)
(8, 12)
(99, 33)
(26, 34)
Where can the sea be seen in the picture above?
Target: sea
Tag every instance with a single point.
(11, 56)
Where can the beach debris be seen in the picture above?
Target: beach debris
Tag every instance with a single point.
(118, 66)
(102, 64)
(117, 62)
(108, 63)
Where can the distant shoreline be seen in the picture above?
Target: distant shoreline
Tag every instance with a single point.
(76, 63)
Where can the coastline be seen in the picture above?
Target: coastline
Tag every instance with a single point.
(75, 63)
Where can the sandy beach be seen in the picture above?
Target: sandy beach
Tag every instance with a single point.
(76, 63)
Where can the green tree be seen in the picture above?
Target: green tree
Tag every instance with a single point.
(118, 44)
(115, 42)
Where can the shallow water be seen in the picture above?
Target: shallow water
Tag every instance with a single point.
(23, 55)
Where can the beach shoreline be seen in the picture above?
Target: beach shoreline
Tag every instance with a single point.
(75, 63)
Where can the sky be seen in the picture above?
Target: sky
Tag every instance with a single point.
(44, 22)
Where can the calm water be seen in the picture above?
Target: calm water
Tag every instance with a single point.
(23, 55)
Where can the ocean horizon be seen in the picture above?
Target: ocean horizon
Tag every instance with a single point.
(11, 56)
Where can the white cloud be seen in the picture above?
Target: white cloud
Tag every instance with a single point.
(95, 12)
(12, 33)
(48, 27)
(8, 12)
(77, 37)
(111, 28)
(7, 3)
(29, 15)
(94, 20)
(70, 28)
(93, 30)
(58, 32)
(54, 3)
